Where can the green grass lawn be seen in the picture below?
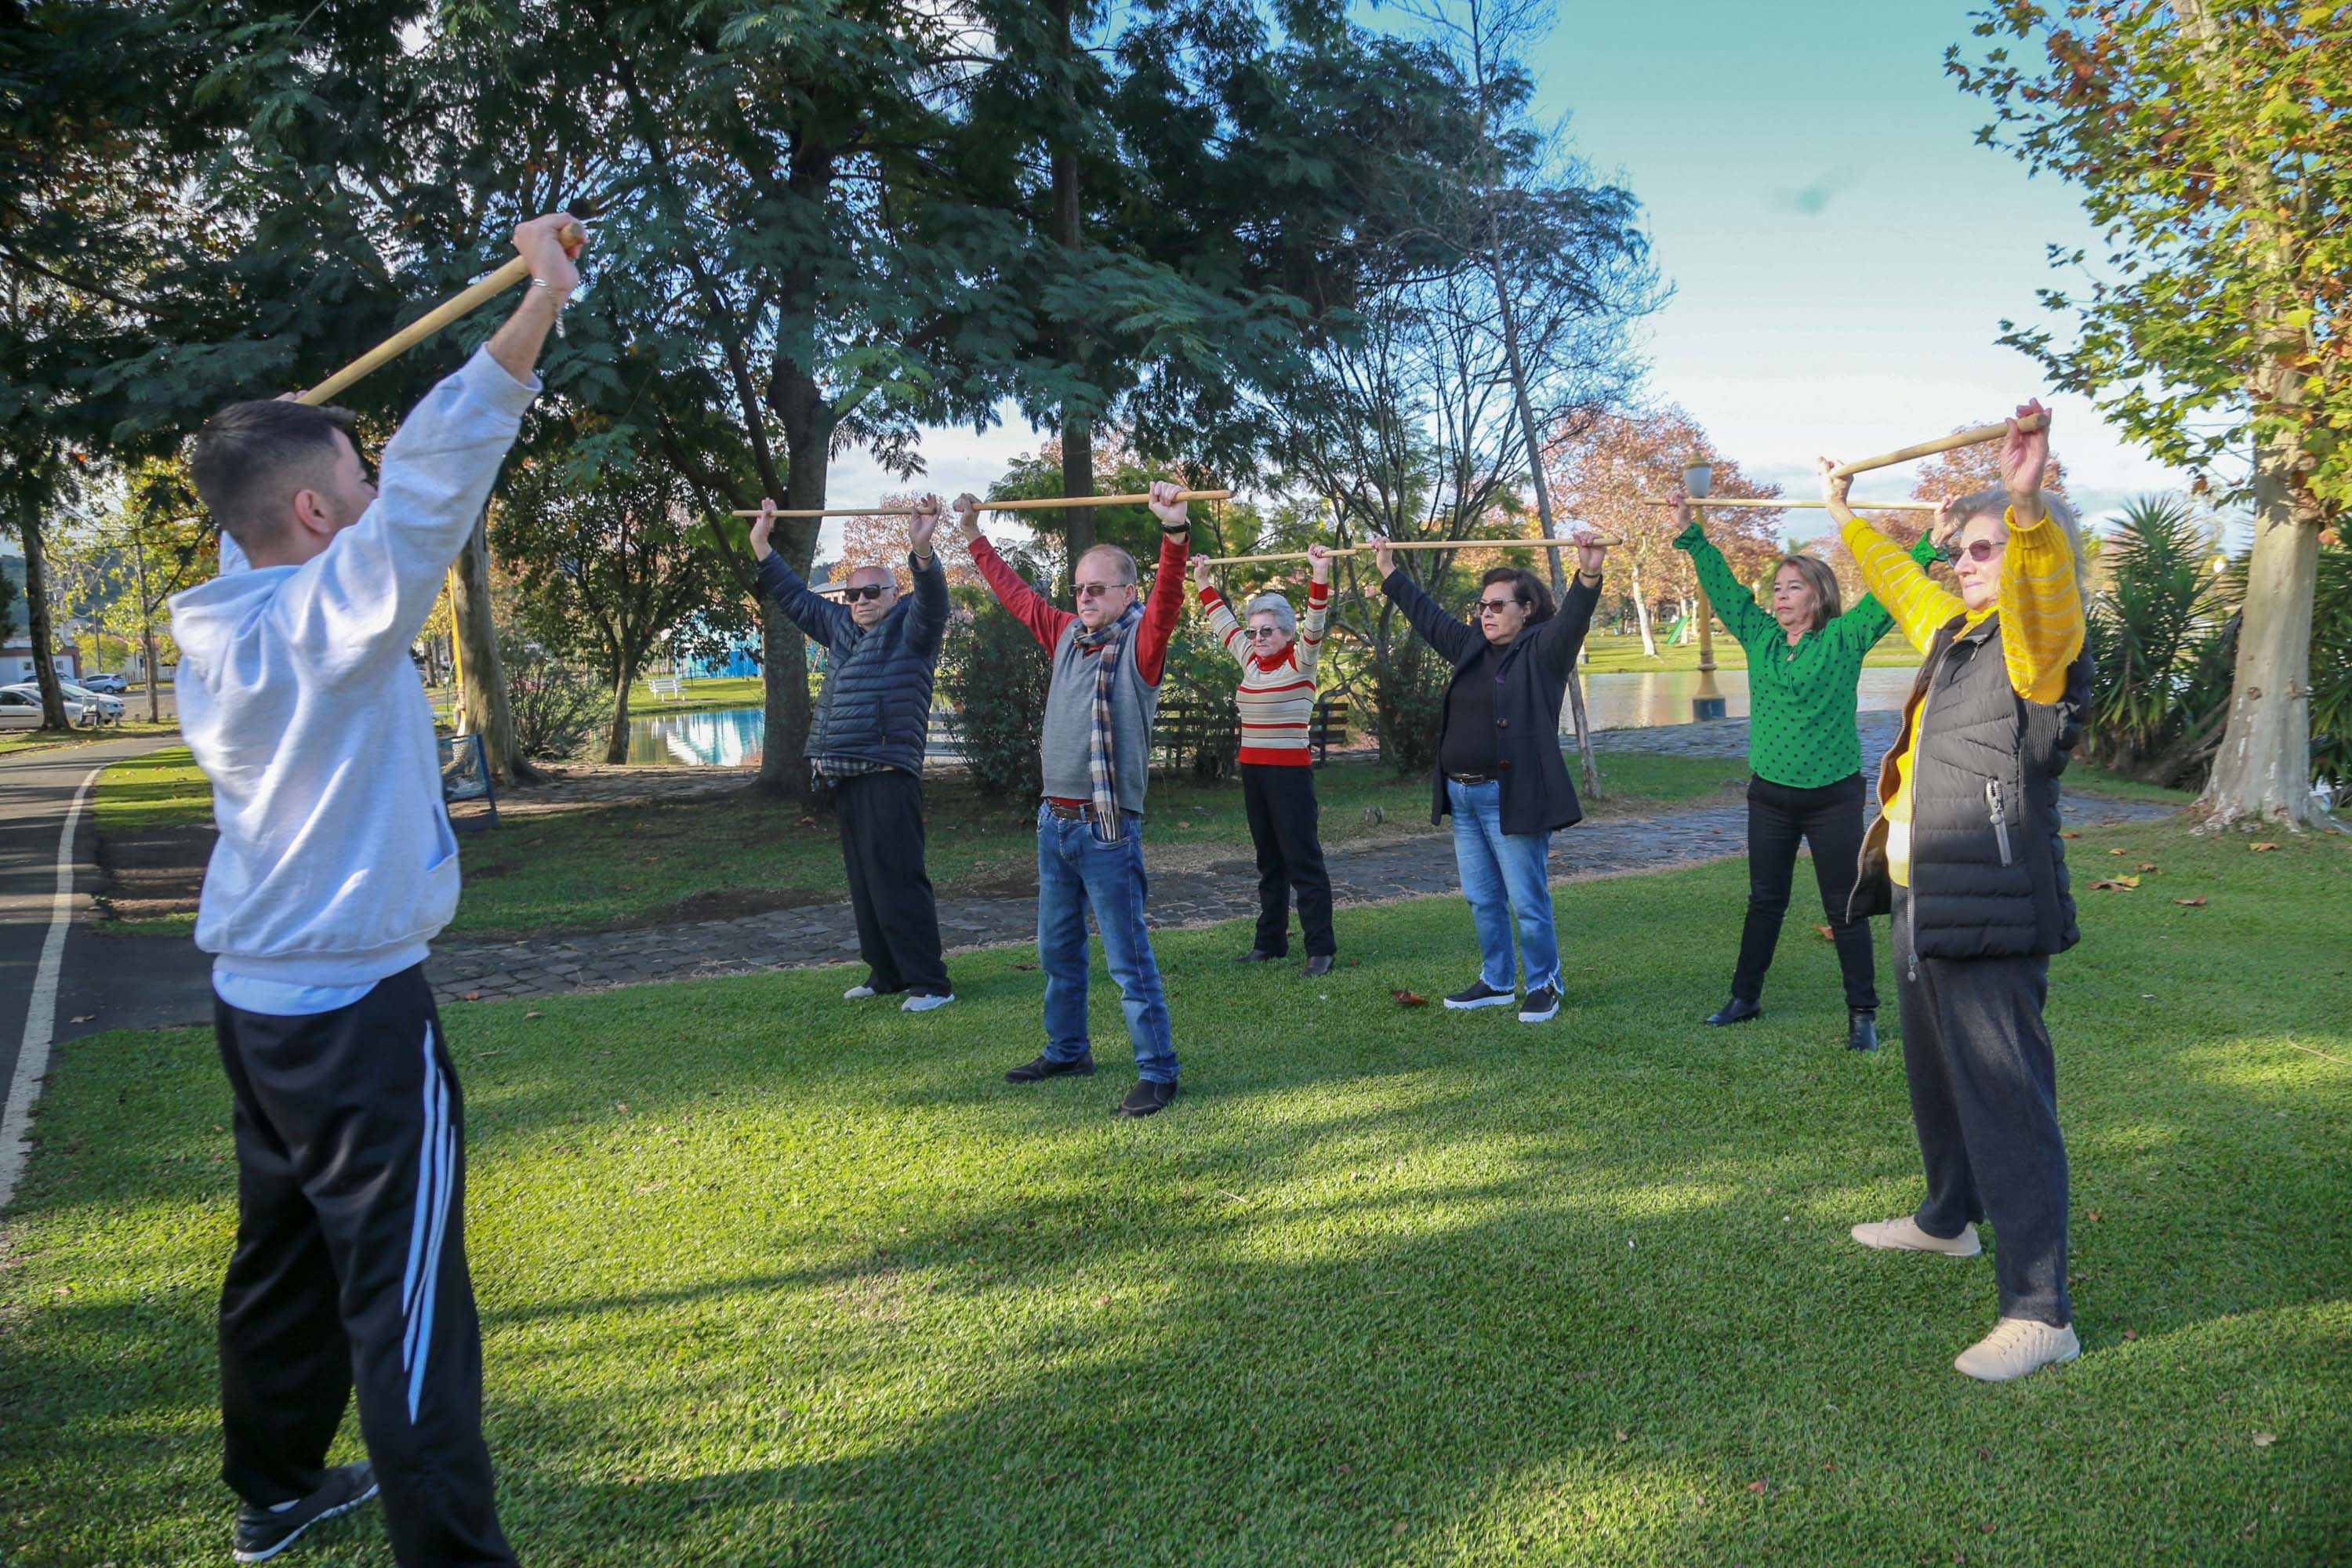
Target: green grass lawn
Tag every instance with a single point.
(599, 867)
(769, 1279)
(14, 742)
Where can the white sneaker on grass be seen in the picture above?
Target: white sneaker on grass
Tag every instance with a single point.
(925, 1003)
(2015, 1347)
(859, 993)
(1905, 1235)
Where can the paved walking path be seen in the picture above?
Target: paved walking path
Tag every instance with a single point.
(1226, 890)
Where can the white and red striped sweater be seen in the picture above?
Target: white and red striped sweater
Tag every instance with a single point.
(1277, 695)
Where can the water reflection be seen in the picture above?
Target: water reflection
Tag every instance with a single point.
(1632, 699)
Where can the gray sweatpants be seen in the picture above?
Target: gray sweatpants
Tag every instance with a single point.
(1984, 1098)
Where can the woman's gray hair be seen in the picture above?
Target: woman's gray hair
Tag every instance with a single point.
(1994, 503)
(1277, 606)
(1829, 600)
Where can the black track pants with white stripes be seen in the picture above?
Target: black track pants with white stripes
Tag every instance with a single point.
(349, 1267)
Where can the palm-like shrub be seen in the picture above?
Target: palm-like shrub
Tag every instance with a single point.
(2163, 633)
(2331, 668)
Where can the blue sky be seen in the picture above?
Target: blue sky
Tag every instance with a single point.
(1841, 249)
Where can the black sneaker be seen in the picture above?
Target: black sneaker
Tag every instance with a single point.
(262, 1534)
(1539, 1006)
(1147, 1099)
(1257, 955)
(1481, 995)
(1044, 1068)
(1316, 967)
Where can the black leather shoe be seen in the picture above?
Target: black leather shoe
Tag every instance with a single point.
(1147, 1099)
(1257, 955)
(1316, 967)
(1862, 1031)
(1735, 1012)
(262, 1534)
(1044, 1068)
(1481, 995)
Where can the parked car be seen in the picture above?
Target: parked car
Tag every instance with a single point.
(85, 709)
(113, 685)
(18, 711)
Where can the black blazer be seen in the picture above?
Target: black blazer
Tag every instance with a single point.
(1537, 794)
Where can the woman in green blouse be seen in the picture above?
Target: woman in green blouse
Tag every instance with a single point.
(1804, 659)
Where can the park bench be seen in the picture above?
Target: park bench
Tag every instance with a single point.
(666, 686)
(1207, 736)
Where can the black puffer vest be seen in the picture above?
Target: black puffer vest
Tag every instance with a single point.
(1988, 868)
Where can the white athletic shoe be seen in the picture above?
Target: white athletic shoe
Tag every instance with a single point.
(859, 993)
(2015, 1347)
(1905, 1235)
(925, 1003)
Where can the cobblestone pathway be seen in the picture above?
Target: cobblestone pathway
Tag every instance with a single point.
(1226, 890)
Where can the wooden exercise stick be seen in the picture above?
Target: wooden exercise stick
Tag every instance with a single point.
(433, 320)
(1338, 550)
(1972, 437)
(1040, 504)
(1710, 503)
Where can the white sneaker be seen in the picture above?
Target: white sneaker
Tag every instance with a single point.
(2015, 1347)
(1905, 1235)
(859, 993)
(925, 1003)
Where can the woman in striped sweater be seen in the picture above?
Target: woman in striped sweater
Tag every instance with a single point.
(1278, 706)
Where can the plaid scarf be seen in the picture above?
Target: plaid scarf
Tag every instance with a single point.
(1102, 764)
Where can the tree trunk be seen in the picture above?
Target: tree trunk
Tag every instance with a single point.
(617, 739)
(2262, 774)
(1642, 617)
(1069, 233)
(482, 694)
(783, 662)
(36, 623)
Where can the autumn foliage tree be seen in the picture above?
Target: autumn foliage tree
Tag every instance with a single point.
(2209, 139)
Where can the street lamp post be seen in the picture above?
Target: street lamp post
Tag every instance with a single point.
(1706, 702)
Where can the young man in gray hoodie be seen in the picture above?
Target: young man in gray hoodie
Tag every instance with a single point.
(333, 871)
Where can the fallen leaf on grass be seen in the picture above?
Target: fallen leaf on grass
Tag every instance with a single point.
(2264, 1440)
(808, 822)
(534, 1015)
(1183, 825)
(2115, 851)
(1984, 1453)
(2131, 1333)
(1410, 998)
(2094, 1216)
(1756, 1486)
(1621, 1437)
(2258, 848)
(2115, 884)
(2196, 903)
(2144, 866)
(2070, 833)
(1825, 933)
(1024, 966)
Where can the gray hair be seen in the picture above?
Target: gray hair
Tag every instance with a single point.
(1274, 605)
(1995, 503)
(1126, 562)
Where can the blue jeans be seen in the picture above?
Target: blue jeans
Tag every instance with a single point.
(1077, 871)
(1503, 875)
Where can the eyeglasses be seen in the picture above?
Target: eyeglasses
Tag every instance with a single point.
(864, 591)
(1976, 549)
(1496, 606)
(1263, 632)
(1099, 589)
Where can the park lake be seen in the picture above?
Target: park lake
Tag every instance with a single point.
(730, 737)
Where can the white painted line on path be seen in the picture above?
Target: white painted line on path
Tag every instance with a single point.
(41, 1011)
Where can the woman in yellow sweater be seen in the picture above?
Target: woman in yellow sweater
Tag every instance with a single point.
(1966, 856)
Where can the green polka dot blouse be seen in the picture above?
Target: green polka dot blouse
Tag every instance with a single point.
(1801, 725)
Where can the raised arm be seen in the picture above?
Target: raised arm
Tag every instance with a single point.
(1453, 640)
(1024, 604)
(1222, 622)
(1319, 611)
(2041, 600)
(819, 618)
(928, 617)
(1165, 609)
(1897, 581)
(1557, 638)
(1737, 607)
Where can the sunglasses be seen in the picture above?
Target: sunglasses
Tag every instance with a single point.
(1496, 606)
(1263, 632)
(864, 591)
(1978, 550)
(1099, 589)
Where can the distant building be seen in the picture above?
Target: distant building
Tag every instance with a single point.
(17, 662)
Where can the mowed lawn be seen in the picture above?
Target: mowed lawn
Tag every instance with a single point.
(769, 1278)
(649, 862)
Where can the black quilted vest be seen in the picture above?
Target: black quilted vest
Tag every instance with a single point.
(1988, 868)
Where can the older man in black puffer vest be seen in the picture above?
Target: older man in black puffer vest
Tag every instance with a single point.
(867, 739)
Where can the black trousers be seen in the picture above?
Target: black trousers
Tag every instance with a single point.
(889, 891)
(1830, 819)
(1282, 817)
(349, 1267)
(1984, 1098)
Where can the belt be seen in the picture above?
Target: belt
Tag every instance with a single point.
(1069, 813)
(1472, 778)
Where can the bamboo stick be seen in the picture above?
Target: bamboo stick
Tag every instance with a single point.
(1712, 502)
(432, 321)
(1040, 504)
(1972, 437)
(1413, 545)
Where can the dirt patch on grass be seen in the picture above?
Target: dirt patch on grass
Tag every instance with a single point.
(155, 873)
